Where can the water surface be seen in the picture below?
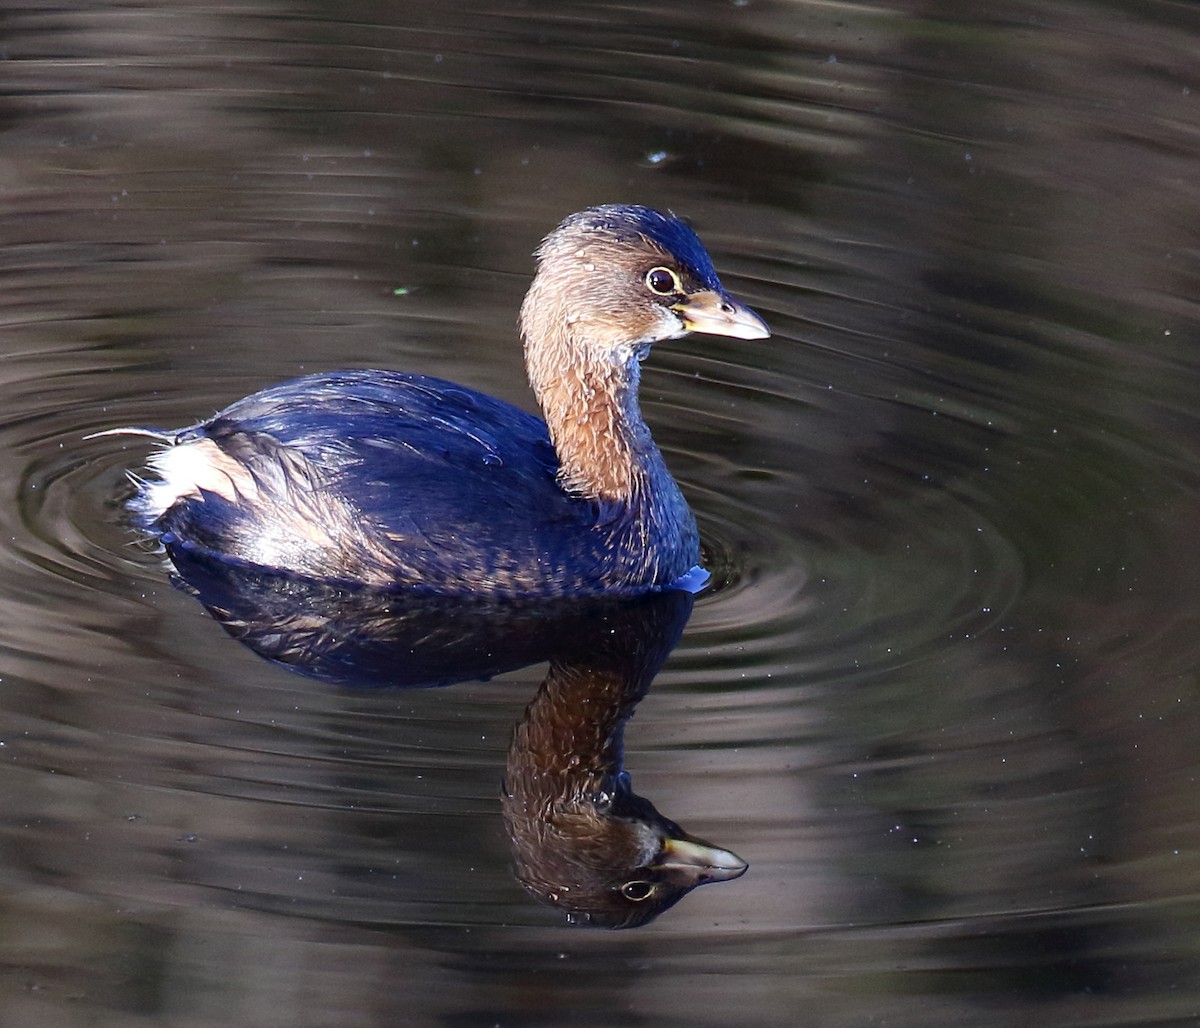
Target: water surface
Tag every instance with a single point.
(943, 694)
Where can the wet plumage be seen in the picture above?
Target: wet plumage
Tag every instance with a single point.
(392, 479)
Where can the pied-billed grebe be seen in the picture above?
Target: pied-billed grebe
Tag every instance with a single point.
(392, 479)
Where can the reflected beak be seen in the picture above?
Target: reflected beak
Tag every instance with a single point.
(697, 862)
(719, 314)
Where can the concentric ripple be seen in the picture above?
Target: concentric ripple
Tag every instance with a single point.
(941, 691)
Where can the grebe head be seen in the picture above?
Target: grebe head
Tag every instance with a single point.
(614, 279)
(611, 281)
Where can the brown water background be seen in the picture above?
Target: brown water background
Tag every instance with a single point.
(945, 699)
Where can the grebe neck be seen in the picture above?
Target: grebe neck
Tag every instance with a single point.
(604, 448)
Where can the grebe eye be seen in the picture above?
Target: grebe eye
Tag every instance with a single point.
(663, 281)
(637, 891)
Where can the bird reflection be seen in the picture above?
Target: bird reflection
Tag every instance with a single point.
(582, 839)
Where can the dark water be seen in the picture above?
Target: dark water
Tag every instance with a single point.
(944, 698)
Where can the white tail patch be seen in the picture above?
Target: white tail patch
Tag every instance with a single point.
(187, 469)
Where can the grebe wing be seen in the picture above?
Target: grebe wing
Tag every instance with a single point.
(450, 483)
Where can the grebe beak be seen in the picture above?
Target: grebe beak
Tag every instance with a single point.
(697, 862)
(719, 314)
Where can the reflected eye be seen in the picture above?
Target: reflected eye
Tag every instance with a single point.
(637, 891)
(663, 281)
